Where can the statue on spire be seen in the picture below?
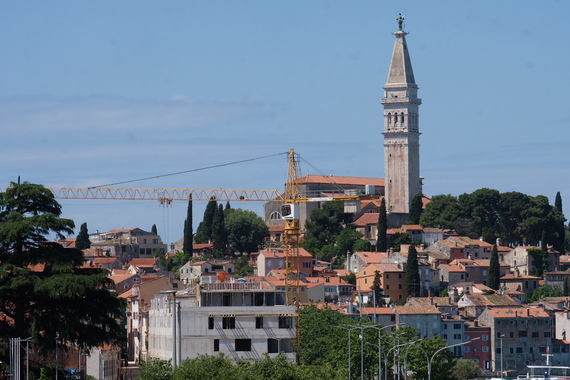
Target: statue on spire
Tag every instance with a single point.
(400, 20)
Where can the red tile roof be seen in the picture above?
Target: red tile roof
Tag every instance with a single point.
(311, 178)
(367, 219)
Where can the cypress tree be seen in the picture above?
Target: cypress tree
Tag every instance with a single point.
(153, 229)
(219, 235)
(560, 231)
(187, 243)
(378, 292)
(382, 240)
(416, 208)
(412, 273)
(204, 232)
(228, 207)
(82, 241)
(494, 275)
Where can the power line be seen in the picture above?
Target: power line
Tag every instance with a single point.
(188, 171)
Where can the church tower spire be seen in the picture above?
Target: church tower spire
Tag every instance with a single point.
(401, 132)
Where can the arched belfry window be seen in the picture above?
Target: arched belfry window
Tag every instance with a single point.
(402, 118)
(275, 215)
(389, 118)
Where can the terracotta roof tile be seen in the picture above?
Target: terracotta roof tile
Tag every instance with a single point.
(311, 178)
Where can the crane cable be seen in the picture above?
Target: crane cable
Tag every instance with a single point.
(188, 171)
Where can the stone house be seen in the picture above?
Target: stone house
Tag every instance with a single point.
(526, 334)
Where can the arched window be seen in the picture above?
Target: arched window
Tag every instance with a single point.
(402, 118)
(389, 118)
(275, 215)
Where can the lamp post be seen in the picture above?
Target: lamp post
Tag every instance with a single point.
(349, 329)
(388, 354)
(380, 328)
(430, 361)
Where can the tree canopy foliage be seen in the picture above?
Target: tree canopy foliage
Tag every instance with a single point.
(246, 231)
(223, 368)
(513, 217)
(44, 287)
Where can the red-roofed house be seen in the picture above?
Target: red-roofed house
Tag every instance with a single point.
(526, 334)
(426, 319)
(318, 185)
(392, 281)
(274, 258)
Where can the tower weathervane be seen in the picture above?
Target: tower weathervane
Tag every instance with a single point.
(400, 20)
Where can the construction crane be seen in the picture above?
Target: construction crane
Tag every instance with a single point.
(290, 212)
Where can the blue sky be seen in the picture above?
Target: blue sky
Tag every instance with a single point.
(100, 92)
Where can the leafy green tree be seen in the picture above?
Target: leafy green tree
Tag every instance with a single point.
(349, 240)
(513, 204)
(382, 239)
(204, 231)
(326, 223)
(413, 273)
(155, 369)
(44, 286)
(82, 241)
(324, 342)
(246, 230)
(416, 208)
(153, 229)
(442, 364)
(494, 275)
(243, 266)
(219, 234)
(401, 238)
(483, 207)
(188, 239)
(441, 212)
(207, 367)
(534, 217)
(465, 369)
(540, 261)
(546, 291)
(350, 278)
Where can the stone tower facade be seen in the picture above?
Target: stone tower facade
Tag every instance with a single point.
(401, 134)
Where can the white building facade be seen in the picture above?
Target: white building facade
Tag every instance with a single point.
(242, 320)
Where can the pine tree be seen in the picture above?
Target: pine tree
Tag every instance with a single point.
(82, 241)
(153, 229)
(204, 231)
(382, 240)
(187, 243)
(219, 235)
(412, 273)
(416, 208)
(46, 291)
(494, 275)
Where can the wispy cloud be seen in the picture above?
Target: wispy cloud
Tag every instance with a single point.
(47, 114)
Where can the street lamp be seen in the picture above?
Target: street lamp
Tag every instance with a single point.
(349, 329)
(388, 354)
(380, 328)
(430, 361)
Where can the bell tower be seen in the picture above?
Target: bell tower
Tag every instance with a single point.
(401, 133)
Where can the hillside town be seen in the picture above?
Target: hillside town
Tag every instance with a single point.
(481, 297)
